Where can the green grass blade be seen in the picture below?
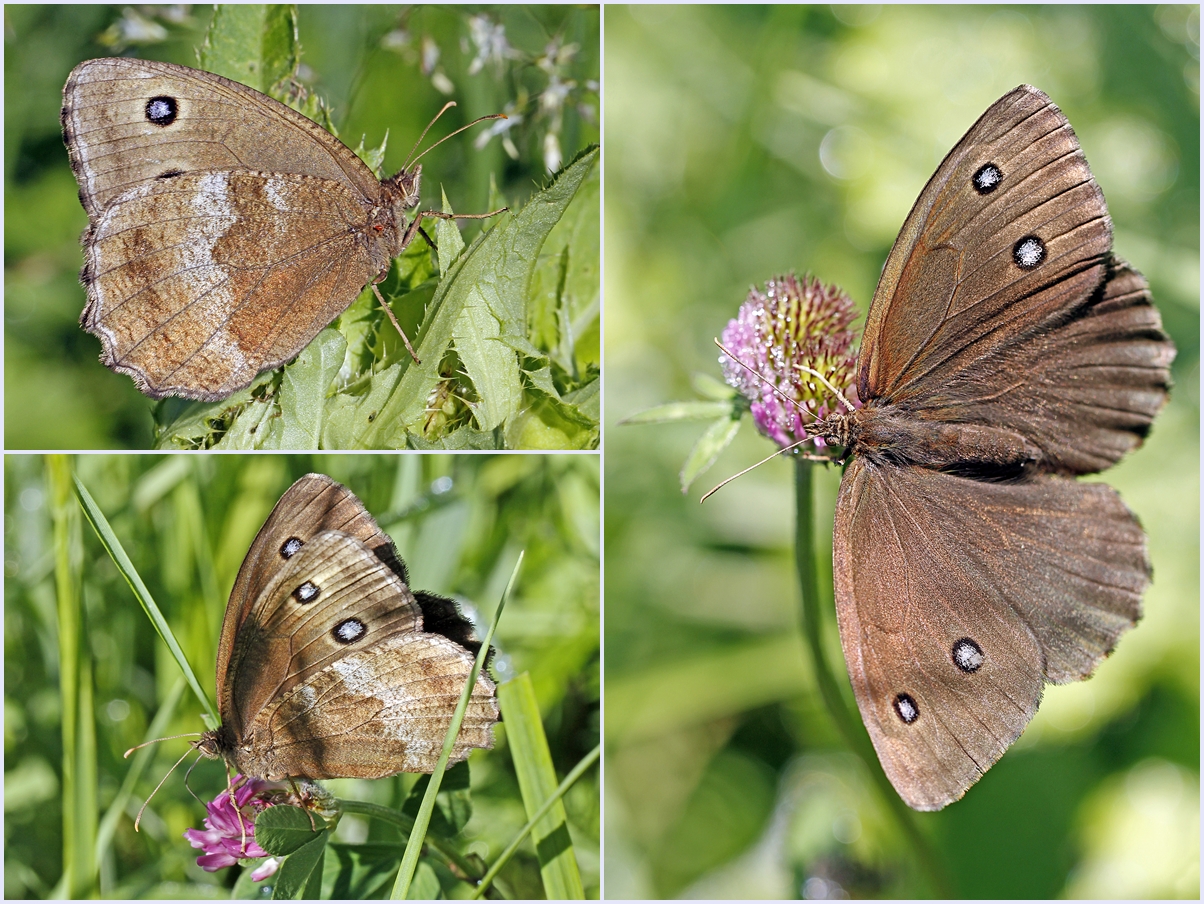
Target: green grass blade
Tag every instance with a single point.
(579, 770)
(75, 688)
(409, 860)
(537, 781)
(113, 546)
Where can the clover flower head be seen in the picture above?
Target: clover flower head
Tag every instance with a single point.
(791, 324)
(229, 833)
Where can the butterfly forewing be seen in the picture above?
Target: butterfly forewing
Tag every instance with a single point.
(948, 642)
(333, 583)
(311, 506)
(952, 290)
(216, 124)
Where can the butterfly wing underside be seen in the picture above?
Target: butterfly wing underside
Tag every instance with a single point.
(219, 125)
(226, 230)
(312, 505)
(333, 676)
(948, 643)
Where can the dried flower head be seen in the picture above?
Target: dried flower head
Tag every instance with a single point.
(793, 323)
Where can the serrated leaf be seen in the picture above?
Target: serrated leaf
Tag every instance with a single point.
(494, 272)
(302, 397)
(717, 438)
(253, 43)
(448, 240)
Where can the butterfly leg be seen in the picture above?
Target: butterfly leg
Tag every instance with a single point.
(297, 791)
(397, 326)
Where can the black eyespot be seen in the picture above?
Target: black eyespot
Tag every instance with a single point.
(290, 547)
(162, 110)
(170, 174)
(967, 655)
(1028, 252)
(349, 630)
(306, 593)
(906, 708)
(987, 179)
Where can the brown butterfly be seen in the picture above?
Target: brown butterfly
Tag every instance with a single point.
(1006, 351)
(225, 229)
(329, 665)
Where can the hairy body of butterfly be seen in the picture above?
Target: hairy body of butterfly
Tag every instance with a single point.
(1006, 351)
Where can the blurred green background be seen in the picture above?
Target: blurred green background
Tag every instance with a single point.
(186, 523)
(744, 141)
(380, 68)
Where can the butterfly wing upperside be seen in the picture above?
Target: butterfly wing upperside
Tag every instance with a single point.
(1005, 346)
(969, 632)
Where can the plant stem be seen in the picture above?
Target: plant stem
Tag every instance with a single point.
(847, 723)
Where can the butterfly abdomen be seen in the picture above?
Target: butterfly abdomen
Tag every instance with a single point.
(887, 435)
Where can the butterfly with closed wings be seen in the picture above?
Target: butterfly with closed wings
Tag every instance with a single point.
(225, 229)
(329, 665)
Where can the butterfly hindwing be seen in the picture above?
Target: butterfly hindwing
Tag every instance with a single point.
(1052, 578)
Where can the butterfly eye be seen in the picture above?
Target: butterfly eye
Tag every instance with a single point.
(967, 655)
(306, 593)
(987, 178)
(162, 111)
(290, 547)
(349, 630)
(906, 707)
(1028, 252)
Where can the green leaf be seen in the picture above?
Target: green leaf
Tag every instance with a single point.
(447, 237)
(480, 307)
(300, 875)
(359, 871)
(284, 829)
(303, 391)
(425, 886)
(255, 44)
(718, 437)
(679, 411)
(537, 782)
(453, 805)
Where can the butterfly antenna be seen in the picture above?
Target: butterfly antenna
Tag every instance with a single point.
(411, 160)
(189, 734)
(161, 781)
(802, 408)
(720, 486)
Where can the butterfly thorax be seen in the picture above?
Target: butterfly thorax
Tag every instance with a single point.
(885, 434)
(400, 194)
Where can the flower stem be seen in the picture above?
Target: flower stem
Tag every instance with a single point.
(847, 723)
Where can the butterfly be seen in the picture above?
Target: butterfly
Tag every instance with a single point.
(1006, 351)
(328, 664)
